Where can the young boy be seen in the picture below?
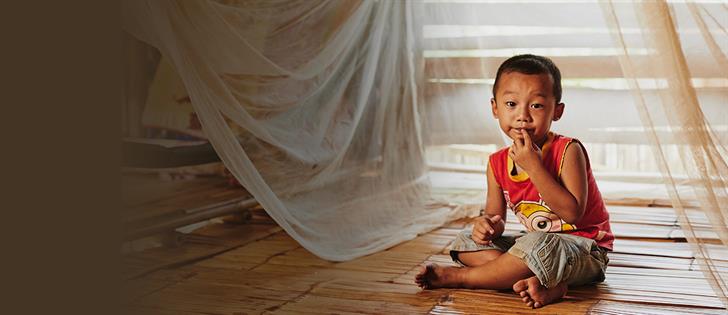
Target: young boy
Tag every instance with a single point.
(546, 180)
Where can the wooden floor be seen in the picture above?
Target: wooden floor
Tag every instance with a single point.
(254, 267)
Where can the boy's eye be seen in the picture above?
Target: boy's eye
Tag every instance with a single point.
(510, 104)
(537, 106)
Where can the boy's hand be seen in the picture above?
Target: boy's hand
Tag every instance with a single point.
(486, 228)
(524, 153)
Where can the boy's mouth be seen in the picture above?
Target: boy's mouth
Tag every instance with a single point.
(518, 130)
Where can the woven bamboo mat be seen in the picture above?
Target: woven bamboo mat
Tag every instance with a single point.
(256, 268)
(275, 274)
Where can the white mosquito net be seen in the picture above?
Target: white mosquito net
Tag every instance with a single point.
(324, 96)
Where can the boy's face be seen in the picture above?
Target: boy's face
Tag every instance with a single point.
(526, 101)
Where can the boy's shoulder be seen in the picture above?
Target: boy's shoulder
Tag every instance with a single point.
(563, 138)
(559, 137)
(566, 141)
(501, 152)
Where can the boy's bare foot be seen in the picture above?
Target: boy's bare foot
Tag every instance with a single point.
(536, 295)
(434, 276)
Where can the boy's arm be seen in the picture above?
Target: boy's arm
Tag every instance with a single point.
(495, 204)
(567, 200)
(493, 221)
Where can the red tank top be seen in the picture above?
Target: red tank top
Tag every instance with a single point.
(522, 197)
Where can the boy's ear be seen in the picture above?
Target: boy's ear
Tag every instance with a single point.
(494, 108)
(558, 111)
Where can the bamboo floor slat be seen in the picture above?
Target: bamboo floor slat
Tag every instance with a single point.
(238, 269)
(195, 247)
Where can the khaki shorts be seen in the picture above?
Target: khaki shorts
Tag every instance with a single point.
(552, 257)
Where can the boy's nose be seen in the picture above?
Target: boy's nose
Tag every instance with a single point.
(523, 115)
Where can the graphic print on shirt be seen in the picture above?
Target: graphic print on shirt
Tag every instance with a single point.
(537, 216)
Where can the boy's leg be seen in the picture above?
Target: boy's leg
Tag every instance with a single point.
(466, 252)
(565, 260)
(474, 259)
(487, 265)
(500, 273)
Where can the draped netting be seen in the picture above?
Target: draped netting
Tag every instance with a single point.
(326, 110)
(313, 107)
(673, 114)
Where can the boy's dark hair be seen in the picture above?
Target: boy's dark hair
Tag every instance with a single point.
(531, 64)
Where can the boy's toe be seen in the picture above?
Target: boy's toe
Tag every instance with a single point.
(520, 286)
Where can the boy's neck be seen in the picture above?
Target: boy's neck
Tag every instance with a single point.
(543, 141)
